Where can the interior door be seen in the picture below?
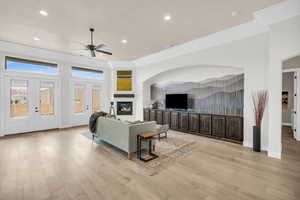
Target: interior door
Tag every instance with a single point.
(31, 105)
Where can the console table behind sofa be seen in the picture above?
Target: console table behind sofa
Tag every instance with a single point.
(224, 127)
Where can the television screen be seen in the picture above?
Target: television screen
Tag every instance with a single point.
(177, 101)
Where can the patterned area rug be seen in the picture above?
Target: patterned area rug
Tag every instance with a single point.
(169, 150)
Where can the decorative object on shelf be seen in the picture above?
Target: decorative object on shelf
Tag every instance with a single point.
(150, 103)
(153, 104)
(112, 112)
(259, 99)
(285, 99)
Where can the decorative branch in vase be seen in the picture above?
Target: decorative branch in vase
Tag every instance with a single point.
(259, 99)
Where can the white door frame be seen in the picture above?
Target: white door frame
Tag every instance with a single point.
(33, 98)
(296, 110)
(78, 119)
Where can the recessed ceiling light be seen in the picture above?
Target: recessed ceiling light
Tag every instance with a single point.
(43, 12)
(167, 17)
(234, 13)
(36, 39)
(124, 41)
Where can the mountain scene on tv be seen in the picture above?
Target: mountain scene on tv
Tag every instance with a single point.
(223, 95)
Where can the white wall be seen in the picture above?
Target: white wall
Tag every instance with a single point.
(64, 63)
(258, 47)
(249, 55)
(284, 44)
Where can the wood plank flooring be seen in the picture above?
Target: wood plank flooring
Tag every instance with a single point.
(63, 164)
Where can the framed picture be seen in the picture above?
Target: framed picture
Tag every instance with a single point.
(285, 99)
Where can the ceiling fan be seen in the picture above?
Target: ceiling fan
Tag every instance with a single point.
(95, 48)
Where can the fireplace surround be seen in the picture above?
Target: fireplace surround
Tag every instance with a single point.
(124, 108)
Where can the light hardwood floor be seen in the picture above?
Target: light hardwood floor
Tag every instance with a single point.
(63, 164)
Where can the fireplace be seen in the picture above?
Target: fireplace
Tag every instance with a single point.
(124, 108)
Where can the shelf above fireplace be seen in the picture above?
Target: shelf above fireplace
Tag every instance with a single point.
(123, 95)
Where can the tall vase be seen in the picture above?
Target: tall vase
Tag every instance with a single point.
(256, 139)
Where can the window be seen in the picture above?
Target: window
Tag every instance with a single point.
(124, 80)
(18, 98)
(87, 73)
(46, 98)
(17, 64)
(95, 100)
(79, 100)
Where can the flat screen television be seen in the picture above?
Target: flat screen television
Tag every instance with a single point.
(177, 101)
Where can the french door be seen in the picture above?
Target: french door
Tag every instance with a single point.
(31, 104)
(86, 99)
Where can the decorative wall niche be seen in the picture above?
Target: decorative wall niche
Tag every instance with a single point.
(223, 96)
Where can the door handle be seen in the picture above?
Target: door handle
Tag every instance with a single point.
(87, 107)
(36, 109)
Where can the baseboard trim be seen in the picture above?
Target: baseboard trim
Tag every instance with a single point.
(286, 124)
(273, 154)
(250, 145)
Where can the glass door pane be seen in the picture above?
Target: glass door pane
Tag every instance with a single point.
(18, 98)
(95, 100)
(46, 98)
(79, 95)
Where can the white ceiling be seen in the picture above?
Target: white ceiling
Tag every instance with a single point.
(140, 22)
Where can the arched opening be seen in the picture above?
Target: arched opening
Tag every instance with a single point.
(210, 89)
(183, 74)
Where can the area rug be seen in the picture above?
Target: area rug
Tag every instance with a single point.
(169, 150)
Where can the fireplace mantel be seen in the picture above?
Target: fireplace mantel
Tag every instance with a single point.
(123, 95)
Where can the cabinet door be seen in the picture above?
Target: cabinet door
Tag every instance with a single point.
(174, 120)
(183, 121)
(218, 126)
(146, 115)
(167, 117)
(159, 117)
(152, 115)
(234, 128)
(194, 122)
(205, 124)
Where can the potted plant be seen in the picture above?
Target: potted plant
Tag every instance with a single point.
(259, 102)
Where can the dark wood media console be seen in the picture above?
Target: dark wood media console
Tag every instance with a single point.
(224, 127)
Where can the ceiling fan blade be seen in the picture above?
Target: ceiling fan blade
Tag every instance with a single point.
(99, 46)
(93, 53)
(105, 52)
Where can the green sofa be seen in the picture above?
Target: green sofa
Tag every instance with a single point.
(121, 134)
